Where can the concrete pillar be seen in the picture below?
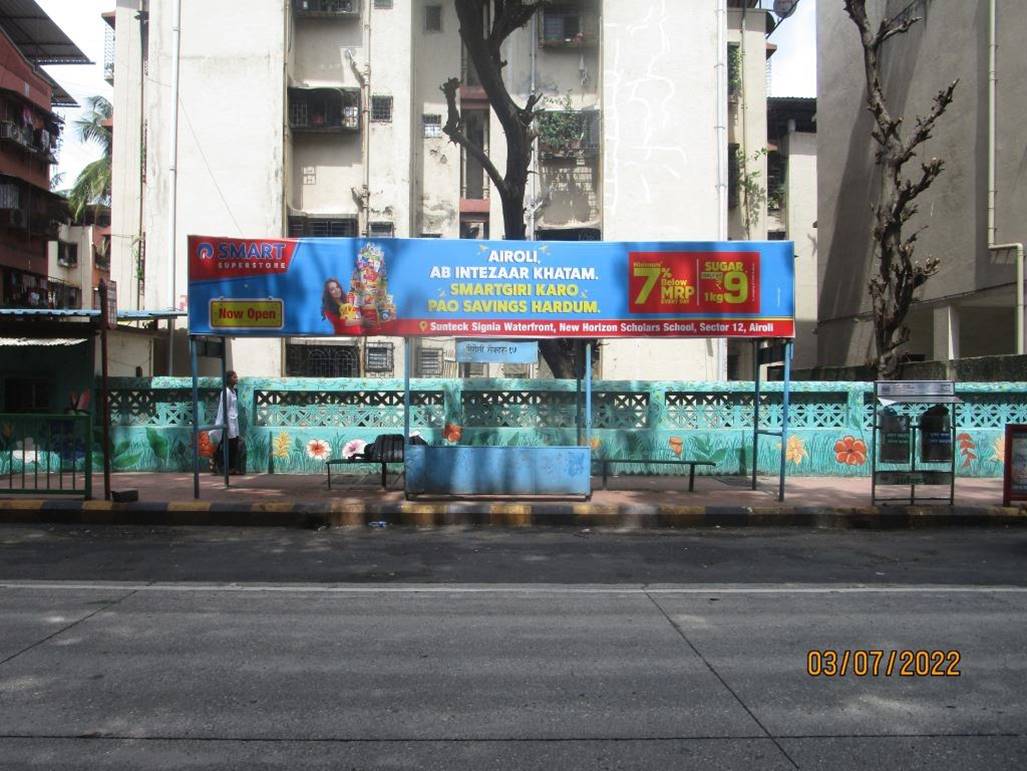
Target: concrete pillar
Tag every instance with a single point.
(946, 333)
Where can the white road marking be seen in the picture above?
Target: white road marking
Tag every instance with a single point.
(524, 589)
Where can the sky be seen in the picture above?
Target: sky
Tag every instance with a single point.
(80, 20)
(793, 66)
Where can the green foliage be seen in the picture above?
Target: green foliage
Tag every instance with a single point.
(92, 187)
(560, 128)
(754, 194)
(734, 70)
(159, 444)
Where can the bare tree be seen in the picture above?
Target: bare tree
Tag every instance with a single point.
(484, 26)
(897, 275)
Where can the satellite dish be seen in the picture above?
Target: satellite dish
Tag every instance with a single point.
(785, 8)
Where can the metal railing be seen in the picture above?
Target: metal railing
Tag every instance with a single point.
(44, 454)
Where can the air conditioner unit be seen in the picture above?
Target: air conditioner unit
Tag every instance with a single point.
(15, 218)
(8, 130)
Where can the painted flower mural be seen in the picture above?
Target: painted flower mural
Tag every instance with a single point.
(796, 449)
(998, 450)
(318, 449)
(282, 445)
(353, 447)
(967, 448)
(676, 445)
(452, 432)
(850, 451)
(205, 447)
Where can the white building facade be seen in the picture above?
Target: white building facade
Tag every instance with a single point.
(323, 118)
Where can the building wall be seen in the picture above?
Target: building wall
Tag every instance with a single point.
(126, 180)
(951, 42)
(230, 143)
(242, 171)
(659, 141)
(800, 217)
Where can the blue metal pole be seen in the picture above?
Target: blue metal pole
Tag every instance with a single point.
(224, 407)
(406, 392)
(588, 394)
(755, 409)
(196, 418)
(786, 391)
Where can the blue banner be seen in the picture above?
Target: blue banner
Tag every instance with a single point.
(494, 289)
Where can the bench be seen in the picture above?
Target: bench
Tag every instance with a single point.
(673, 462)
(386, 449)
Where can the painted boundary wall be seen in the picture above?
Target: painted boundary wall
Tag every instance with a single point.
(291, 425)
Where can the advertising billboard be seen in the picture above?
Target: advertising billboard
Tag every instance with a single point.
(464, 288)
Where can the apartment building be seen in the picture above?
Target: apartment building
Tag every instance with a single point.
(324, 118)
(30, 136)
(973, 213)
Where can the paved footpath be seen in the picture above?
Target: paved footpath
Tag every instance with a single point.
(630, 502)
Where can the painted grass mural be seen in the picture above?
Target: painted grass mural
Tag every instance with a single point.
(292, 425)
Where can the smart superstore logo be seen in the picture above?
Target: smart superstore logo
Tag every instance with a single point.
(213, 258)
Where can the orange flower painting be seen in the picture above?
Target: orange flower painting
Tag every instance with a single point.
(452, 432)
(204, 446)
(676, 445)
(796, 450)
(850, 451)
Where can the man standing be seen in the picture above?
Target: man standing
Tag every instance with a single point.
(228, 404)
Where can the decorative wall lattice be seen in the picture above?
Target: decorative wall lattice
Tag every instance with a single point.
(361, 409)
(290, 424)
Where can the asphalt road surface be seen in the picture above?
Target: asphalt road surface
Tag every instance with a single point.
(214, 648)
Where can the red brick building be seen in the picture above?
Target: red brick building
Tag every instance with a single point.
(30, 133)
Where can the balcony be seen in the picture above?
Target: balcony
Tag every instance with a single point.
(108, 54)
(324, 110)
(326, 9)
(43, 142)
(570, 25)
(569, 134)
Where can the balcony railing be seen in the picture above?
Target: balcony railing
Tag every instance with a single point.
(327, 9)
(569, 26)
(324, 110)
(108, 55)
(569, 133)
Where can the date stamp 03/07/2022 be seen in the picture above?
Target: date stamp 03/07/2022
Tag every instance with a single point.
(849, 662)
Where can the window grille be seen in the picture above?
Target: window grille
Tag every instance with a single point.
(381, 109)
(429, 362)
(67, 254)
(732, 176)
(382, 230)
(433, 18)
(432, 125)
(332, 228)
(323, 227)
(10, 197)
(326, 360)
(383, 4)
(378, 358)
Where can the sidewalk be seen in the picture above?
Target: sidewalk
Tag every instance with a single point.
(630, 503)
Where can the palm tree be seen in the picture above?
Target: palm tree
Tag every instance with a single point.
(93, 185)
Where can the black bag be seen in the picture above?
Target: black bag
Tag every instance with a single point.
(388, 448)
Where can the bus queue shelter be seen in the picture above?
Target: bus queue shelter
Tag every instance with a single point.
(497, 290)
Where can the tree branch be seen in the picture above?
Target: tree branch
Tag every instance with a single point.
(925, 125)
(454, 130)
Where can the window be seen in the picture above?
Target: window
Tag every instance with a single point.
(67, 254)
(382, 230)
(429, 362)
(26, 395)
(433, 18)
(322, 360)
(476, 369)
(323, 227)
(431, 235)
(432, 125)
(9, 196)
(383, 4)
(381, 109)
(573, 24)
(517, 370)
(378, 358)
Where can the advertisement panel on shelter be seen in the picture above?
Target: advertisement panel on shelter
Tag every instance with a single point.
(465, 288)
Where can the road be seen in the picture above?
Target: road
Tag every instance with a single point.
(164, 648)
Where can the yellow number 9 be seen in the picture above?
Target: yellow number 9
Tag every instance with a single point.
(736, 286)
